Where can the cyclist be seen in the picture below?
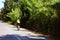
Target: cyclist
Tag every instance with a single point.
(18, 23)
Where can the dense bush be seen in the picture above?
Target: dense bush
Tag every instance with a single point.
(41, 16)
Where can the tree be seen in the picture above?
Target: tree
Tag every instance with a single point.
(9, 7)
(15, 14)
(41, 14)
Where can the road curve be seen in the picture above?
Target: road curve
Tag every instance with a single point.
(9, 32)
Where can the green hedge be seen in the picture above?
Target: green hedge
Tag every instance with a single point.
(39, 15)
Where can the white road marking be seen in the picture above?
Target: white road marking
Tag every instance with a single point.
(17, 37)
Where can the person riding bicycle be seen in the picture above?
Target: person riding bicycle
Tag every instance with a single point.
(18, 23)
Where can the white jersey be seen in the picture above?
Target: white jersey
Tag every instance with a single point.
(18, 21)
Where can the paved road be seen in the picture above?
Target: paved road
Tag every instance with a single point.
(9, 32)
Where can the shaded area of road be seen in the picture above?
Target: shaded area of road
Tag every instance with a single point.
(17, 37)
(8, 37)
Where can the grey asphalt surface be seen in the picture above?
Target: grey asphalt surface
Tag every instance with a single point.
(9, 32)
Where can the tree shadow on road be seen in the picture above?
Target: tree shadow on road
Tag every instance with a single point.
(17, 37)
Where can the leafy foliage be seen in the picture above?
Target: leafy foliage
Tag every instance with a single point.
(15, 14)
(41, 14)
